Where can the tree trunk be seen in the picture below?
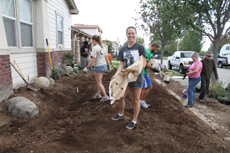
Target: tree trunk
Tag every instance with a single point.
(162, 53)
(215, 56)
(215, 50)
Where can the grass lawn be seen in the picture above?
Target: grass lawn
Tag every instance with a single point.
(173, 73)
(115, 63)
(165, 58)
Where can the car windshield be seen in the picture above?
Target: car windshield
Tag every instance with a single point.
(186, 55)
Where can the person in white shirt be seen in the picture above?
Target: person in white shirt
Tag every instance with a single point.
(99, 57)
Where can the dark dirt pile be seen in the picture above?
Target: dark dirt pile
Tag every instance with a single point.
(68, 123)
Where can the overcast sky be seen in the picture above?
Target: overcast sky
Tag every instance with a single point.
(113, 17)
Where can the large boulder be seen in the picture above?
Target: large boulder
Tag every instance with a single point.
(22, 107)
(41, 82)
(51, 81)
(69, 69)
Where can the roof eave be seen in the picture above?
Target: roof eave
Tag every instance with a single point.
(73, 8)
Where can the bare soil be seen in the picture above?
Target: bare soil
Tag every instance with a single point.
(71, 123)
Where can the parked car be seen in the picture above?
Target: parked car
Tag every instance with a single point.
(222, 61)
(224, 56)
(181, 60)
(157, 56)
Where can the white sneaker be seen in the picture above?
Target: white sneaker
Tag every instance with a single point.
(143, 104)
(97, 96)
(104, 99)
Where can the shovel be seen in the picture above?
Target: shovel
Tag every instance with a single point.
(28, 86)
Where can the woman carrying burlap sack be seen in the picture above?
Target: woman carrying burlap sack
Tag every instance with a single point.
(128, 55)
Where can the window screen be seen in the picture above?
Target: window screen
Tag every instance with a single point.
(26, 35)
(60, 29)
(8, 13)
(26, 23)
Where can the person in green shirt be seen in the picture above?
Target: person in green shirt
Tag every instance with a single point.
(209, 66)
(147, 84)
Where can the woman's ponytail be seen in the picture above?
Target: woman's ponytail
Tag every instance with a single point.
(99, 41)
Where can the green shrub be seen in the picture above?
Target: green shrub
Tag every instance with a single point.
(216, 89)
(56, 74)
(72, 72)
(225, 98)
(228, 87)
(69, 58)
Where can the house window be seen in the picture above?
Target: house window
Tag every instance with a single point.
(21, 21)
(8, 12)
(60, 29)
(228, 48)
(26, 23)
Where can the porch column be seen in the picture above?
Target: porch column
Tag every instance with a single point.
(41, 34)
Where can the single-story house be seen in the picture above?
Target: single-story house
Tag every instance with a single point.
(78, 38)
(24, 27)
(90, 29)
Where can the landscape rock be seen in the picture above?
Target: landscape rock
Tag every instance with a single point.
(51, 81)
(75, 69)
(22, 107)
(41, 82)
(69, 69)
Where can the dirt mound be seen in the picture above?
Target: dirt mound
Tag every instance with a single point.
(69, 122)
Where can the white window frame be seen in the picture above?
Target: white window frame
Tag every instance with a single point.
(15, 26)
(59, 45)
(18, 27)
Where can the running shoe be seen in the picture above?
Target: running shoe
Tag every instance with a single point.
(143, 104)
(117, 117)
(130, 126)
(104, 99)
(96, 96)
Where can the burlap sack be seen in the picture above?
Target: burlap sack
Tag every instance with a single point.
(167, 76)
(118, 85)
(156, 66)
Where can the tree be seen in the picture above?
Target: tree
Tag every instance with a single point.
(171, 48)
(211, 48)
(138, 39)
(192, 41)
(158, 21)
(206, 16)
(222, 43)
(110, 46)
(202, 53)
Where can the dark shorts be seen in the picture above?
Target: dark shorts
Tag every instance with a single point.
(147, 82)
(100, 69)
(134, 85)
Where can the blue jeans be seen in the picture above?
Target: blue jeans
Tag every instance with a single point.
(191, 89)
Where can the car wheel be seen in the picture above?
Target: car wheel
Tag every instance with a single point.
(169, 65)
(181, 69)
(220, 65)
